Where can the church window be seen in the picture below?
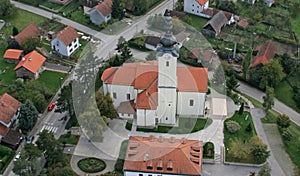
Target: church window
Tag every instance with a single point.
(166, 118)
(197, 11)
(191, 102)
(128, 96)
(114, 95)
(193, 10)
(140, 174)
(167, 63)
(193, 5)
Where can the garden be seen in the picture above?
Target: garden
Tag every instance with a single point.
(6, 155)
(91, 165)
(208, 150)
(68, 139)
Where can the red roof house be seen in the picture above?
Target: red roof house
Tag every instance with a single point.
(30, 31)
(266, 52)
(13, 55)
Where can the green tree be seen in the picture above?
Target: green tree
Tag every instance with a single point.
(31, 151)
(28, 116)
(65, 100)
(46, 142)
(269, 99)
(288, 64)
(246, 63)
(283, 121)
(233, 126)
(232, 83)
(117, 10)
(30, 44)
(241, 110)
(272, 74)
(249, 127)
(15, 31)
(105, 105)
(7, 8)
(259, 149)
(239, 149)
(126, 52)
(265, 170)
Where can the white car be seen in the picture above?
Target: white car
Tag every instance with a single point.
(17, 156)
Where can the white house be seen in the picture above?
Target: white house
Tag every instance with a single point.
(66, 41)
(146, 156)
(158, 91)
(101, 13)
(195, 6)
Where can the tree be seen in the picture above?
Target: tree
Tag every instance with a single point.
(232, 83)
(30, 44)
(46, 142)
(268, 99)
(105, 105)
(27, 116)
(7, 8)
(286, 135)
(117, 10)
(246, 63)
(272, 74)
(241, 110)
(233, 126)
(65, 100)
(249, 127)
(265, 170)
(15, 31)
(259, 149)
(239, 149)
(288, 64)
(126, 52)
(31, 151)
(120, 43)
(283, 121)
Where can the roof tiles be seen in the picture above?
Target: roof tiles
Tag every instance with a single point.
(30, 31)
(67, 35)
(31, 61)
(12, 54)
(8, 107)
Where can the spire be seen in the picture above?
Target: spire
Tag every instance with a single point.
(168, 42)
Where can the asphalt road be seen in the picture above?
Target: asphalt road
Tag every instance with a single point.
(278, 105)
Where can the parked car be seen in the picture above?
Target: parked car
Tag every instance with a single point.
(51, 106)
(17, 156)
(29, 139)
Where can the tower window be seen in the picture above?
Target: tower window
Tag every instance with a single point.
(167, 63)
(191, 102)
(114, 95)
(128, 96)
(166, 118)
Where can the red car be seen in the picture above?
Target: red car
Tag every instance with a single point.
(51, 106)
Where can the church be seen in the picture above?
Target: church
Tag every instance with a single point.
(157, 92)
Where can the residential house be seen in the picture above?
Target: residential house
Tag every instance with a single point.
(204, 56)
(266, 52)
(9, 111)
(163, 156)
(13, 55)
(174, 13)
(214, 26)
(195, 7)
(30, 66)
(101, 13)
(29, 32)
(66, 41)
(160, 90)
(88, 5)
(151, 42)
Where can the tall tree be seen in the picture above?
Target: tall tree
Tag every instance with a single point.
(246, 63)
(239, 149)
(272, 74)
(15, 31)
(105, 105)
(7, 8)
(126, 52)
(283, 121)
(259, 149)
(232, 83)
(28, 116)
(288, 64)
(117, 10)
(268, 98)
(65, 100)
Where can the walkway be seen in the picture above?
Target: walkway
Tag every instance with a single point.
(278, 105)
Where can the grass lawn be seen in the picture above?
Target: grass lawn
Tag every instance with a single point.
(21, 20)
(6, 155)
(8, 75)
(69, 139)
(242, 135)
(186, 125)
(120, 161)
(51, 79)
(52, 5)
(197, 22)
(292, 146)
(296, 26)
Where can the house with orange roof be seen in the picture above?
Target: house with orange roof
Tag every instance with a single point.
(66, 41)
(29, 32)
(9, 111)
(195, 7)
(30, 66)
(158, 92)
(101, 13)
(13, 55)
(163, 156)
(266, 52)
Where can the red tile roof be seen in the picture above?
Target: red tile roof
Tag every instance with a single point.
(30, 31)
(105, 8)
(202, 2)
(3, 130)
(8, 107)
(164, 155)
(67, 35)
(266, 52)
(243, 23)
(12, 54)
(31, 61)
(148, 99)
(192, 79)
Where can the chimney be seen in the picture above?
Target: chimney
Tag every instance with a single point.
(183, 141)
(145, 157)
(160, 139)
(172, 139)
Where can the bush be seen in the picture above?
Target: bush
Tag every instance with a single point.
(249, 128)
(232, 126)
(91, 165)
(286, 135)
(283, 121)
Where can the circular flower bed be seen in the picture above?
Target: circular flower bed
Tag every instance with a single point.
(91, 165)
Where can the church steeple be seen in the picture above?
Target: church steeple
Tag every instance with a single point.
(168, 42)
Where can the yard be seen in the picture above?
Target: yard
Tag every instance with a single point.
(186, 125)
(6, 155)
(68, 139)
(51, 80)
(195, 21)
(7, 74)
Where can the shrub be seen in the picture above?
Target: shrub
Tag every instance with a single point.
(232, 126)
(283, 121)
(286, 135)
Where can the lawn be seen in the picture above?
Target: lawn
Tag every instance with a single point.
(6, 155)
(292, 146)
(186, 125)
(7, 74)
(296, 26)
(52, 5)
(68, 139)
(122, 154)
(51, 79)
(21, 20)
(196, 21)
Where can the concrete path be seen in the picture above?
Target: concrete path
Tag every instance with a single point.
(278, 105)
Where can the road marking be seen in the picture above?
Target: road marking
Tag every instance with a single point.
(47, 128)
(54, 131)
(50, 129)
(42, 128)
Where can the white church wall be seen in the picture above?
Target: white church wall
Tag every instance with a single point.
(145, 117)
(167, 105)
(184, 107)
(120, 93)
